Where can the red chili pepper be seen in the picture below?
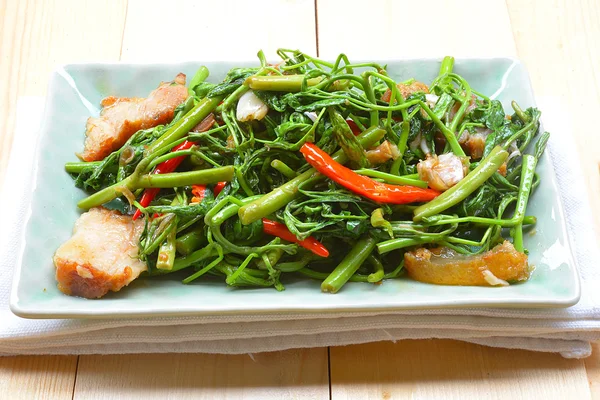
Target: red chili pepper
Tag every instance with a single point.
(367, 187)
(281, 231)
(199, 191)
(218, 187)
(355, 129)
(162, 168)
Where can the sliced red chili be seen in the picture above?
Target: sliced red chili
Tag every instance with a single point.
(367, 187)
(218, 187)
(199, 191)
(281, 231)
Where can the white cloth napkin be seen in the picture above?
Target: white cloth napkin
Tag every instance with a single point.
(568, 331)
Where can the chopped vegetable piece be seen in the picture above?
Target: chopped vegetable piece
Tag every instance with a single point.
(281, 231)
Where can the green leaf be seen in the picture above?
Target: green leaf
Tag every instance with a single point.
(442, 105)
(202, 89)
(493, 116)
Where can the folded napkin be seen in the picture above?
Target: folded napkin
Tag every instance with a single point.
(567, 331)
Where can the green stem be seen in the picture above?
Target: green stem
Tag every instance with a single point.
(527, 175)
(179, 179)
(447, 65)
(292, 266)
(400, 243)
(399, 180)
(107, 194)
(166, 252)
(280, 83)
(368, 89)
(169, 156)
(349, 265)
(532, 124)
(283, 169)
(378, 272)
(207, 268)
(193, 258)
(79, 167)
(517, 235)
(191, 241)
(199, 77)
(520, 113)
(505, 223)
(243, 183)
(354, 278)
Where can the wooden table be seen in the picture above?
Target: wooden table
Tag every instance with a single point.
(559, 41)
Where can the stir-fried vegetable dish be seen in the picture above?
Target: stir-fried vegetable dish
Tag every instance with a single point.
(332, 171)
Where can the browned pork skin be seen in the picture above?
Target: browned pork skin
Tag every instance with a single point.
(443, 266)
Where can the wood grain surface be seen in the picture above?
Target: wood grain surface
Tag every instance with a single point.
(293, 374)
(37, 377)
(446, 369)
(559, 41)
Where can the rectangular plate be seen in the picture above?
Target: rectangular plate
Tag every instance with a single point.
(75, 93)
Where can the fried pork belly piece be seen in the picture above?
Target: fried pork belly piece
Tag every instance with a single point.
(472, 105)
(474, 143)
(406, 90)
(100, 256)
(121, 117)
(443, 266)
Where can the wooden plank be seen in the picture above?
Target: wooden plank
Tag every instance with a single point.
(34, 37)
(404, 29)
(293, 374)
(216, 30)
(558, 42)
(37, 377)
(592, 367)
(444, 369)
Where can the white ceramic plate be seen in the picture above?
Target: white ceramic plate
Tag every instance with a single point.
(75, 93)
